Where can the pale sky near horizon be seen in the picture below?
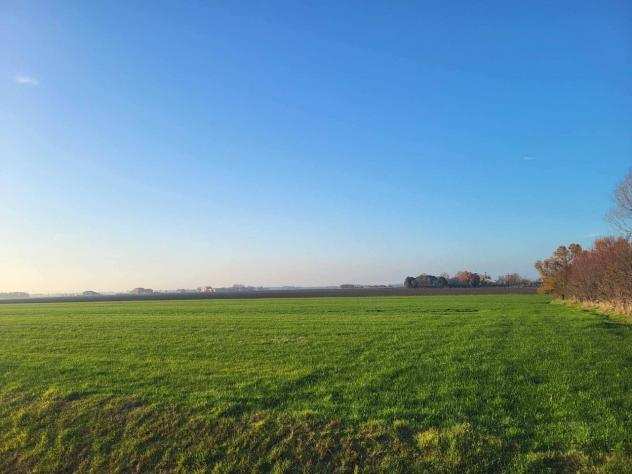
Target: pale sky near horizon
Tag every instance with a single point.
(178, 144)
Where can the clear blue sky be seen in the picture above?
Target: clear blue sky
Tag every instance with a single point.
(175, 144)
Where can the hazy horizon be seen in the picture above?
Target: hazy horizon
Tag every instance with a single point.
(304, 144)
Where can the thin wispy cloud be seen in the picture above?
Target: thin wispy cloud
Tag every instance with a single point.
(528, 158)
(26, 80)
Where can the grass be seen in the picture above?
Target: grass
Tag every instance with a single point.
(617, 310)
(443, 383)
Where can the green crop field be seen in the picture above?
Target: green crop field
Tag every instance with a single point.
(441, 383)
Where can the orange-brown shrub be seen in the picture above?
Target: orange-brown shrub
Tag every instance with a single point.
(601, 274)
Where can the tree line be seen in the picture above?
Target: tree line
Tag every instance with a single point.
(466, 279)
(602, 274)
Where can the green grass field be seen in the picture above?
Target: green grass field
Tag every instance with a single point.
(441, 383)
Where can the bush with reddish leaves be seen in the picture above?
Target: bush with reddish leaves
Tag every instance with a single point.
(601, 274)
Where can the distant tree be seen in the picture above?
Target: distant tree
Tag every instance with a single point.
(621, 214)
(510, 279)
(409, 282)
(425, 281)
(466, 278)
(461, 278)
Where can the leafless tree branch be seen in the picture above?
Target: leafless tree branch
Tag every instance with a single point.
(621, 214)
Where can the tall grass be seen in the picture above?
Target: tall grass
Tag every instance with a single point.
(622, 310)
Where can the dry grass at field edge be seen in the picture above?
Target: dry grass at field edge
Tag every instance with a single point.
(616, 310)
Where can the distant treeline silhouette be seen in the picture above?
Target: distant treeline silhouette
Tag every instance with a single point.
(466, 279)
(14, 294)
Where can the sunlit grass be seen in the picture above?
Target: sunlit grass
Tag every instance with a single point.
(427, 383)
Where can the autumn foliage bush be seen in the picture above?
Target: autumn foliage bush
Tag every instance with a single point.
(599, 275)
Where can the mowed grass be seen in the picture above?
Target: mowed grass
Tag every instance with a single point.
(441, 383)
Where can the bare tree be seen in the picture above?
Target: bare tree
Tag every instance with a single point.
(621, 215)
(511, 279)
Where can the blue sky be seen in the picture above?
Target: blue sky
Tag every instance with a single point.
(175, 144)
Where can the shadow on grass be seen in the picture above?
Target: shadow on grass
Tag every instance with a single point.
(612, 326)
(61, 433)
